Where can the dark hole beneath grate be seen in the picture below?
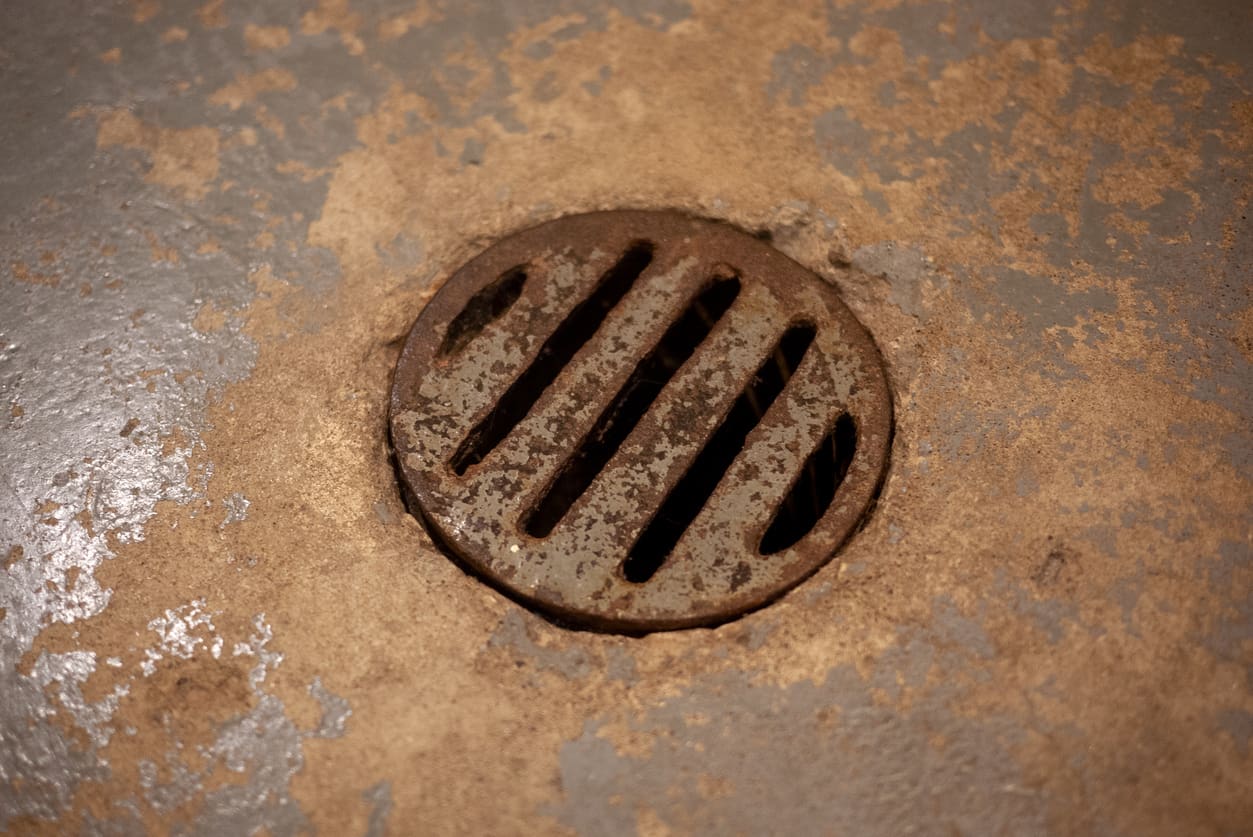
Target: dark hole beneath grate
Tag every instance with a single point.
(556, 352)
(814, 489)
(632, 401)
(688, 496)
(484, 307)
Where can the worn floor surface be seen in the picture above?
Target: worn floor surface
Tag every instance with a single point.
(218, 220)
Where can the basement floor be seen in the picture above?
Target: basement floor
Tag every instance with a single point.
(218, 221)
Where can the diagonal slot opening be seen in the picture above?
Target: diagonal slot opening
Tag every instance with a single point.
(633, 400)
(558, 350)
(814, 489)
(484, 307)
(692, 491)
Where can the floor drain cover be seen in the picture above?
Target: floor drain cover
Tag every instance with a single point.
(638, 421)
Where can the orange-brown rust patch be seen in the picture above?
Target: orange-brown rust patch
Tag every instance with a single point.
(143, 11)
(300, 169)
(1243, 332)
(1242, 113)
(270, 122)
(22, 272)
(260, 38)
(423, 12)
(212, 15)
(465, 74)
(159, 252)
(1138, 64)
(246, 88)
(334, 15)
(183, 159)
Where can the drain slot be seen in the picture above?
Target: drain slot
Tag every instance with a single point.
(811, 495)
(637, 395)
(484, 307)
(689, 495)
(558, 350)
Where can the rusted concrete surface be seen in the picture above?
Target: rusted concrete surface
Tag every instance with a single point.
(219, 220)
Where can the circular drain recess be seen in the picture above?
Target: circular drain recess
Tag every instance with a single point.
(639, 421)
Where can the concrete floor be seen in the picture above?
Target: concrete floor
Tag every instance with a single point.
(218, 220)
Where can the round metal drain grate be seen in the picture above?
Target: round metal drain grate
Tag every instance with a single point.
(638, 421)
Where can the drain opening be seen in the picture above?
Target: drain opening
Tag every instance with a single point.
(483, 308)
(691, 492)
(554, 355)
(572, 501)
(814, 489)
(635, 398)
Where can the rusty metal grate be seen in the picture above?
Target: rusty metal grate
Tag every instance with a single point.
(639, 421)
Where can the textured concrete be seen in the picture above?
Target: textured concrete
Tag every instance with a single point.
(217, 221)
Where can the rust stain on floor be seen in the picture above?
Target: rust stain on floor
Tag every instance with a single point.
(218, 616)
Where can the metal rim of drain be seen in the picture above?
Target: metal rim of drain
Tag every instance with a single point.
(639, 420)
